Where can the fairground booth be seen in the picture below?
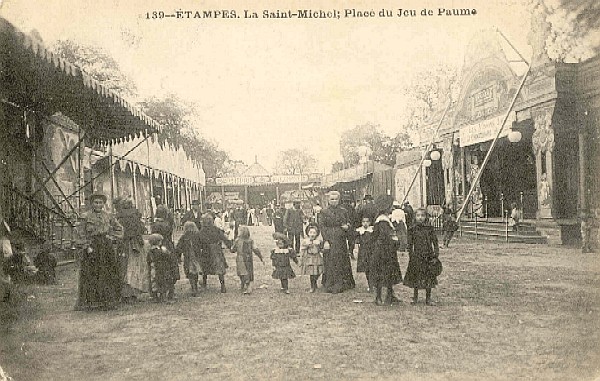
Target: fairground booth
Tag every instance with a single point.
(545, 162)
(256, 187)
(63, 135)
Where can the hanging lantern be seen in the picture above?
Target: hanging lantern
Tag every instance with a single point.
(435, 155)
(514, 136)
(427, 162)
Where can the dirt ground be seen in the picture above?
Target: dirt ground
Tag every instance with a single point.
(505, 312)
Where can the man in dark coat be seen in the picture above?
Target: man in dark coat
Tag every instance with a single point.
(334, 224)
(367, 209)
(278, 219)
(294, 225)
(193, 215)
(409, 214)
(354, 222)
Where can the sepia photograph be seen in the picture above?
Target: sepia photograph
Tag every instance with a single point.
(300, 190)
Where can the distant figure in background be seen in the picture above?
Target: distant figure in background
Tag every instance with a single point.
(193, 215)
(278, 219)
(398, 218)
(251, 216)
(316, 211)
(269, 211)
(161, 226)
(449, 225)
(409, 214)
(294, 225)
(586, 228)
(367, 209)
(515, 217)
(169, 218)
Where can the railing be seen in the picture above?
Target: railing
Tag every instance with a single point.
(487, 209)
(30, 215)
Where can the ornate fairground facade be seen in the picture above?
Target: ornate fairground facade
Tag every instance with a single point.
(546, 159)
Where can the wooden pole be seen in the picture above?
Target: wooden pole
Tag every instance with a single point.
(494, 142)
(112, 173)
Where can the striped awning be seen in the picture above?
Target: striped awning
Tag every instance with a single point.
(36, 79)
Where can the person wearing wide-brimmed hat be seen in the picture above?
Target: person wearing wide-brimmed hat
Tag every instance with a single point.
(384, 269)
(99, 279)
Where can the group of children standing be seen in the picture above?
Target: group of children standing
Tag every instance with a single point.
(377, 257)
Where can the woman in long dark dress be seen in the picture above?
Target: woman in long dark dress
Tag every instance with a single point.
(337, 276)
(384, 268)
(189, 247)
(212, 259)
(100, 276)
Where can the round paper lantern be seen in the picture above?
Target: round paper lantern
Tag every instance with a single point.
(514, 136)
(427, 162)
(435, 155)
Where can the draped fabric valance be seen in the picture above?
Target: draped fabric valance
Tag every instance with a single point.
(37, 80)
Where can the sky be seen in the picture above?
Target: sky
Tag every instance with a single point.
(261, 86)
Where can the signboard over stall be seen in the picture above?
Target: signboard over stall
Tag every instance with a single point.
(483, 131)
(261, 180)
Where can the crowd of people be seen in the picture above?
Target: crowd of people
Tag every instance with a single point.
(117, 265)
(121, 259)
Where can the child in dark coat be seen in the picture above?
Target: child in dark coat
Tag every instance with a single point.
(423, 264)
(280, 258)
(46, 265)
(160, 260)
(189, 246)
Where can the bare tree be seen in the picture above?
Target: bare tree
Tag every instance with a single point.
(295, 161)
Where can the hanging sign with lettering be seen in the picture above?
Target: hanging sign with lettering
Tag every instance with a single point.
(482, 132)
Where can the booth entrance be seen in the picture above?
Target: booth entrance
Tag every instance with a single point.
(510, 174)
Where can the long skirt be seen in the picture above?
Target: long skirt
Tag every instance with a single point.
(337, 276)
(136, 270)
(418, 273)
(245, 266)
(212, 260)
(99, 276)
(312, 264)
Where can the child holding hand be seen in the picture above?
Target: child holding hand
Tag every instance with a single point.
(244, 247)
(280, 258)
